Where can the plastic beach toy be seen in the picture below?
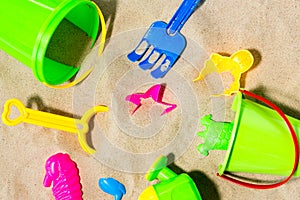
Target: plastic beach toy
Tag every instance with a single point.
(171, 185)
(156, 92)
(216, 135)
(62, 173)
(29, 26)
(49, 120)
(262, 140)
(166, 40)
(113, 187)
(236, 64)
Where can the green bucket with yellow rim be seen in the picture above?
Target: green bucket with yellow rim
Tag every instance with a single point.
(27, 27)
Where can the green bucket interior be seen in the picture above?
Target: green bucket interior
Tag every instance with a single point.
(71, 28)
(261, 142)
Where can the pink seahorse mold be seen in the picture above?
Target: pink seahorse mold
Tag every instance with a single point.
(156, 92)
(63, 174)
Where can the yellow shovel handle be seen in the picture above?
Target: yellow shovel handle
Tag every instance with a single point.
(49, 120)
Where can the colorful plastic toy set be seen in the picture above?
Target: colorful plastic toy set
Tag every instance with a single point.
(251, 146)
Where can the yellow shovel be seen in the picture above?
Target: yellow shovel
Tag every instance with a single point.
(54, 121)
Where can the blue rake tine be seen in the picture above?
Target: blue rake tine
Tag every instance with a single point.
(163, 68)
(133, 56)
(145, 64)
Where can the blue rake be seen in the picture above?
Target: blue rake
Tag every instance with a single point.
(164, 41)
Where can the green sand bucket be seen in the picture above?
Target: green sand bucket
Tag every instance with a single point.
(260, 141)
(28, 25)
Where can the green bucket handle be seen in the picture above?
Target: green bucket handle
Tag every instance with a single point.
(295, 141)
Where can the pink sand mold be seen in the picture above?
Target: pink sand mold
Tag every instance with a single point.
(156, 92)
(63, 174)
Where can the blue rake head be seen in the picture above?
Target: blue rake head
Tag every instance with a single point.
(164, 47)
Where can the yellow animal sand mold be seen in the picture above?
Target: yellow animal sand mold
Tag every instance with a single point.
(236, 64)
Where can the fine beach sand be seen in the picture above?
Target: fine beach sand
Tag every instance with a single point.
(127, 144)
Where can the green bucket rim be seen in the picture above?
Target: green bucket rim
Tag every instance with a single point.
(237, 105)
(46, 33)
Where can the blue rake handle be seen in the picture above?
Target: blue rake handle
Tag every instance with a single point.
(182, 14)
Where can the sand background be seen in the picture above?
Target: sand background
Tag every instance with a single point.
(269, 29)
